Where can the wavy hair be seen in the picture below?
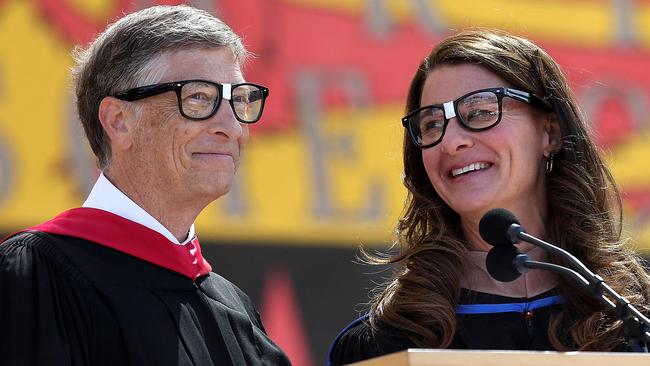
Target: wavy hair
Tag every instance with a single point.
(584, 214)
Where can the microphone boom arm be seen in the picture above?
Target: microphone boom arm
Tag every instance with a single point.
(631, 316)
(559, 269)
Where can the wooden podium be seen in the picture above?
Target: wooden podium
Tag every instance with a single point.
(434, 357)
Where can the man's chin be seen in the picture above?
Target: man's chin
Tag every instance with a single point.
(215, 189)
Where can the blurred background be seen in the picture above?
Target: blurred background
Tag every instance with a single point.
(321, 175)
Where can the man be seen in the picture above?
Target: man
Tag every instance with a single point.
(121, 280)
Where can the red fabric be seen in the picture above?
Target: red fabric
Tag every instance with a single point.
(126, 236)
(282, 319)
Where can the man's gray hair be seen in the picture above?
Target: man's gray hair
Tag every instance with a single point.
(125, 54)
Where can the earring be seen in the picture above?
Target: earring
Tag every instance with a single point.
(549, 163)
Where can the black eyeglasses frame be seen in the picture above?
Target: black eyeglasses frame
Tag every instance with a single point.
(500, 92)
(147, 91)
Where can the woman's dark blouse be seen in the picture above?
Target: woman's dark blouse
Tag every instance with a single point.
(486, 321)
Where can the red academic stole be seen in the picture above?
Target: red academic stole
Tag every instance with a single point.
(113, 231)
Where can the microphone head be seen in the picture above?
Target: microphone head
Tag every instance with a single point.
(494, 226)
(500, 263)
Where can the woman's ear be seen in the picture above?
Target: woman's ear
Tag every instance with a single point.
(115, 117)
(553, 134)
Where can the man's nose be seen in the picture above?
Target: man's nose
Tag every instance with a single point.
(224, 122)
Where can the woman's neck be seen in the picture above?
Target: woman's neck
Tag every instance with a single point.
(528, 285)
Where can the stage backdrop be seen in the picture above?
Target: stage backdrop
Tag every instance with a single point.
(322, 172)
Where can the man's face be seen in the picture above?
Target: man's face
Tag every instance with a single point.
(184, 160)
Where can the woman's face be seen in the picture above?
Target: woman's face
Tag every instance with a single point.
(500, 167)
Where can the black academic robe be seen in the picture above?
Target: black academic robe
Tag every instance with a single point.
(70, 300)
(484, 321)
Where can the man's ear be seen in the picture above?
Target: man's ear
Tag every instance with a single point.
(553, 134)
(117, 119)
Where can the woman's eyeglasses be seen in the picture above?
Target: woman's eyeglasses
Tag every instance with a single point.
(476, 111)
(200, 99)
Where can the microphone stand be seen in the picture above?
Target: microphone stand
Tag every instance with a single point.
(523, 264)
(636, 326)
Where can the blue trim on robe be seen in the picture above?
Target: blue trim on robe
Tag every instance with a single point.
(469, 309)
(520, 307)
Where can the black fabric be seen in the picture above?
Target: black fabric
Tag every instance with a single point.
(493, 331)
(67, 301)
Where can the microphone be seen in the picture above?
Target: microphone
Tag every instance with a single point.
(506, 264)
(500, 228)
(496, 227)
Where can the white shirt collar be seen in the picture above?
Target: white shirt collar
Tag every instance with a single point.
(105, 196)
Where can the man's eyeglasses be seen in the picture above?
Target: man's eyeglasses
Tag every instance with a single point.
(476, 111)
(200, 99)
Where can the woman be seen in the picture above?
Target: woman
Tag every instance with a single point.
(492, 123)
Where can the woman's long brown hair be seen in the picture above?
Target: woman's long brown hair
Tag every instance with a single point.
(584, 214)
